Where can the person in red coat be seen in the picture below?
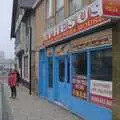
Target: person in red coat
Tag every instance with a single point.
(12, 83)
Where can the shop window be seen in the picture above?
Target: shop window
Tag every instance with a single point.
(79, 75)
(102, 65)
(68, 72)
(101, 78)
(59, 11)
(50, 71)
(75, 5)
(62, 70)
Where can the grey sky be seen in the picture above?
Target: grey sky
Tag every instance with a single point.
(5, 23)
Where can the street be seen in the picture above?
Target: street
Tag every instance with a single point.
(26, 107)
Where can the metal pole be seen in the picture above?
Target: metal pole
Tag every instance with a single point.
(30, 52)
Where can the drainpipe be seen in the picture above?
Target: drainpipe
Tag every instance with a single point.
(30, 61)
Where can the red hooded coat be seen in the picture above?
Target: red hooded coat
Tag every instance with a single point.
(12, 79)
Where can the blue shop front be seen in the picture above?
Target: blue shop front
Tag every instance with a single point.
(78, 75)
(75, 70)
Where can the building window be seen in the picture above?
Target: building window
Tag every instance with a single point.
(26, 67)
(50, 70)
(92, 1)
(50, 22)
(102, 65)
(79, 75)
(60, 4)
(62, 70)
(49, 8)
(59, 11)
(27, 26)
(75, 5)
(50, 18)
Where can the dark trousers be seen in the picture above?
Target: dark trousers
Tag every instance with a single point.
(13, 91)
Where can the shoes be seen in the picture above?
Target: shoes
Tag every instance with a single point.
(14, 97)
(10, 97)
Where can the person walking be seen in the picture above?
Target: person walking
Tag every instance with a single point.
(18, 77)
(12, 83)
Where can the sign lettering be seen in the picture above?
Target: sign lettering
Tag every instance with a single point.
(84, 20)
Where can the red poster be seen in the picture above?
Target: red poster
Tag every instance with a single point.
(111, 8)
(79, 87)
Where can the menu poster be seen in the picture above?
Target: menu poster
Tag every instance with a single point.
(79, 87)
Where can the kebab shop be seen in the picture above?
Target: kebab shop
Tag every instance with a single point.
(75, 66)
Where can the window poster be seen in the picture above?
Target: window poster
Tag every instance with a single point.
(49, 52)
(79, 87)
(101, 93)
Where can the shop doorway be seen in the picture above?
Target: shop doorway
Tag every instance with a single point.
(63, 80)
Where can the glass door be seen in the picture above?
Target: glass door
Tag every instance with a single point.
(63, 79)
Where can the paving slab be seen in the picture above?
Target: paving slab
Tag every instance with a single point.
(26, 107)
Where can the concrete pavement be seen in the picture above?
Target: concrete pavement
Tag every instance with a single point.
(26, 107)
(5, 108)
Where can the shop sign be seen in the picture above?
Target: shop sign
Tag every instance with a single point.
(111, 8)
(79, 87)
(86, 19)
(101, 93)
(76, 45)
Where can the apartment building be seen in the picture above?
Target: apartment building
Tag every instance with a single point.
(74, 59)
(23, 31)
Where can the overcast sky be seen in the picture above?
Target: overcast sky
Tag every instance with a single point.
(5, 27)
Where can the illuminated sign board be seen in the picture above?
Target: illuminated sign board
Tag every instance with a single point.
(111, 8)
(86, 19)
